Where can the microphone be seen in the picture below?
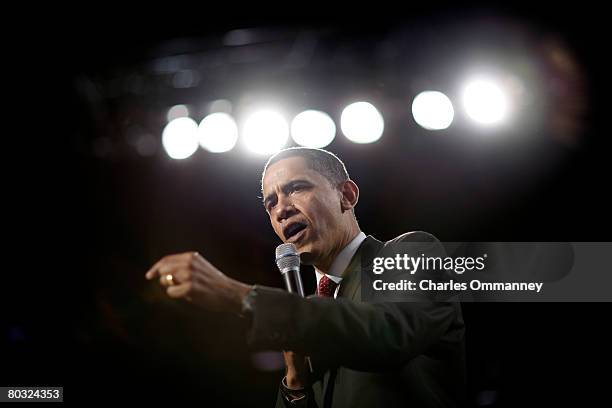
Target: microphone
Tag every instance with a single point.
(288, 262)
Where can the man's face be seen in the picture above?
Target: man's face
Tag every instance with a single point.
(304, 208)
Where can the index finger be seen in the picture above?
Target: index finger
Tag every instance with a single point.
(154, 270)
(166, 260)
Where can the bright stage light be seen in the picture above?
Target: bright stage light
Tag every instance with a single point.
(265, 132)
(313, 128)
(180, 138)
(218, 132)
(177, 111)
(433, 110)
(361, 122)
(485, 102)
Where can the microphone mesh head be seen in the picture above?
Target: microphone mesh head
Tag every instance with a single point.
(287, 257)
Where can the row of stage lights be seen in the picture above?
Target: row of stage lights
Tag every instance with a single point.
(266, 131)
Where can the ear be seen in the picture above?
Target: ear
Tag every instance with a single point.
(350, 195)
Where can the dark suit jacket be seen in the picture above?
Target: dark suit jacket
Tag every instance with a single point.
(368, 354)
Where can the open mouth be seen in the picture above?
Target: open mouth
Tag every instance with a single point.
(293, 230)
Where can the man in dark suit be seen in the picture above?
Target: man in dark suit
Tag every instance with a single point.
(360, 353)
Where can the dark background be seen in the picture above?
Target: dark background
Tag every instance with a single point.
(86, 215)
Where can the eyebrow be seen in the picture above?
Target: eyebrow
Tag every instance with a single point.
(286, 188)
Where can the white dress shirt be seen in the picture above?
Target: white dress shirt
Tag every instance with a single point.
(341, 262)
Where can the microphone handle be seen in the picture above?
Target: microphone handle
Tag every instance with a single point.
(293, 282)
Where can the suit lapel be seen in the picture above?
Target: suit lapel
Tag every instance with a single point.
(348, 289)
(352, 274)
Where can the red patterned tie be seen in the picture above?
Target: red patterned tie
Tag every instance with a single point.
(327, 287)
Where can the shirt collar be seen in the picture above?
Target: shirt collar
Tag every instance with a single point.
(342, 260)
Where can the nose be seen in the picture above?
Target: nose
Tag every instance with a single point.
(284, 208)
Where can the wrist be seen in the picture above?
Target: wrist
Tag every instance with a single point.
(296, 380)
(242, 299)
(294, 383)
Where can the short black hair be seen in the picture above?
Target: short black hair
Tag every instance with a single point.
(322, 161)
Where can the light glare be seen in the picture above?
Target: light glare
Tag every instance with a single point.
(313, 128)
(218, 132)
(180, 138)
(265, 132)
(433, 110)
(361, 122)
(485, 102)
